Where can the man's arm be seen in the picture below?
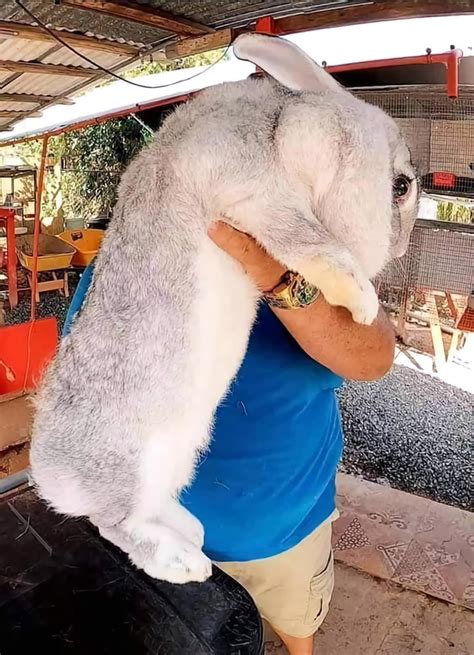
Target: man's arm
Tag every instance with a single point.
(326, 333)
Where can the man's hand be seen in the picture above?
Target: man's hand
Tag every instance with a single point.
(256, 262)
(326, 333)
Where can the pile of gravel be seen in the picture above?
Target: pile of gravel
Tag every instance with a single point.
(51, 304)
(414, 432)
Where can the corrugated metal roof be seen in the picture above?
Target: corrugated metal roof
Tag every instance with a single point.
(41, 84)
(107, 32)
(16, 49)
(32, 47)
(232, 13)
(5, 105)
(82, 22)
(213, 13)
(67, 58)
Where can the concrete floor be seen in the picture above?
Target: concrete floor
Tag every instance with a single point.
(377, 617)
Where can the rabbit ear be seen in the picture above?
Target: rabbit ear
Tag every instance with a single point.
(285, 62)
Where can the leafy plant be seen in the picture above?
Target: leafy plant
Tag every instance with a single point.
(151, 67)
(94, 158)
(455, 212)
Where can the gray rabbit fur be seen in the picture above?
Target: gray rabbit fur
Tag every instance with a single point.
(127, 405)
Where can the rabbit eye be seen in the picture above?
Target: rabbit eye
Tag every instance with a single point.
(401, 186)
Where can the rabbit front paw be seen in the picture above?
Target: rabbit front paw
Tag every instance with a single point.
(344, 288)
(357, 294)
(364, 305)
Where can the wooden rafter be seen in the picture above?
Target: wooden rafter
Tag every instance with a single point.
(377, 11)
(34, 99)
(47, 69)
(84, 83)
(185, 47)
(382, 10)
(33, 33)
(19, 114)
(143, 14)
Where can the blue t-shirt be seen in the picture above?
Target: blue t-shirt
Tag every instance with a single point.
(268, 478)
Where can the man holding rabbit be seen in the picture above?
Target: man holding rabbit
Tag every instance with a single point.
(265, 490)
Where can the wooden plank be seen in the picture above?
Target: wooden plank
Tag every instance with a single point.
(452, 307)
(453, 346)
(29, 97)
(187, 47)
(47, 69)
(143, 14)
(33, 33)
(16, 418)
(56, 284)
(82, 85)
(436, 334)
(366, 13)
(20, 114)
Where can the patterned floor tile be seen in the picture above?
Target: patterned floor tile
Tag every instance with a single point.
(468, 595)
(387, 510)
(353, 537)
(352, 546)
(447, 535)
(418, 543)
(415, 560)
(393, 553)
(450, 530)
(429, 581)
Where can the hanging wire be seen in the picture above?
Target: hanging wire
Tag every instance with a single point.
(110, 72)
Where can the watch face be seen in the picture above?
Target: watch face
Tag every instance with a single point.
(296, 293)
(305, 292)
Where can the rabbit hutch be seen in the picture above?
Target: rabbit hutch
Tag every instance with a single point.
(429, 291)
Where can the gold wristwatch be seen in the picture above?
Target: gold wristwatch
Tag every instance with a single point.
(292, 292)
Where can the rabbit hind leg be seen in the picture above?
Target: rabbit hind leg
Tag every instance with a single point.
(161, 552)
(161, 536)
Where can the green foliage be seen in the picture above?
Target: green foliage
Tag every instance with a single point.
(455, 212)
(151, 67)
(100, 153)
(96, 157)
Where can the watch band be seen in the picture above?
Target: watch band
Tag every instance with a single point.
(292, 292)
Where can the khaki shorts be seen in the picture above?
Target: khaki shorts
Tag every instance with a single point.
(292, 590)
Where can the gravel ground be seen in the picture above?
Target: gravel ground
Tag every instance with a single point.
(51, 304)
(413, 432)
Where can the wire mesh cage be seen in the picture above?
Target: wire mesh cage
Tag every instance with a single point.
(439, 131)
(435, 278)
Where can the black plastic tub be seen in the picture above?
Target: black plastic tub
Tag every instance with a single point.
(64, 590)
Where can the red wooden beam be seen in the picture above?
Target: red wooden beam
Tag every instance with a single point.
(7, 216)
